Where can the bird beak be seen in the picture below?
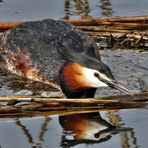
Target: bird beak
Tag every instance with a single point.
(116, 85)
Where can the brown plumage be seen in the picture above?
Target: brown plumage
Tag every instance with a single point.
(73, 76)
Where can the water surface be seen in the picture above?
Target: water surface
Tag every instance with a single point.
(11, 10)
(119, 129)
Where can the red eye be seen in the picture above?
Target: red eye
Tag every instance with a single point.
(96, 74)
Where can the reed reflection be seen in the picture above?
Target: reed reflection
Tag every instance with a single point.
(84, 128)
(41, 133)
(77, 7)
(106, 8)
(128, 139)
(83, 8)
(88, 128)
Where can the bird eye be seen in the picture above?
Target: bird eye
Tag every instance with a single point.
(97, 135)
(96, 74)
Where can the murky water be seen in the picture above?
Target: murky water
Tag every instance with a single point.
(125, 128)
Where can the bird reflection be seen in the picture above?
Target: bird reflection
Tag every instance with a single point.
(87, 128)
(84, 128)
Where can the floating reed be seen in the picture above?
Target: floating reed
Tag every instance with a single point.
(62, 104)
(129, 23)
(124, 30)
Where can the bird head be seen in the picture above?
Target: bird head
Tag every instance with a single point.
(82, 73)
(77, 78)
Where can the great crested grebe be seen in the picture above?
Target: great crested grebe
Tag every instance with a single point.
(56, 53)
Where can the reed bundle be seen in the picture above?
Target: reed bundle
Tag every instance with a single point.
(125, 31)
(35, 104)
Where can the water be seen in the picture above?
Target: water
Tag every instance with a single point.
(11, 10)
(91, 130)
(126, 128)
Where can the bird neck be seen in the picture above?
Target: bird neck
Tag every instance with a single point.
(73, 83)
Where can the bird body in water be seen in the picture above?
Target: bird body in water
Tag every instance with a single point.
(56, 53)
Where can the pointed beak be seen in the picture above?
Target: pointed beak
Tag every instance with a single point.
(116, 85)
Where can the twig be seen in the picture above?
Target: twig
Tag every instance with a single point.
(44, 104)
(136, 21)
(8, 25)
(54, 112)
(88, 22)
(89, 100)
(102, 29)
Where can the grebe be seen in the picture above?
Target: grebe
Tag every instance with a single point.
(56, 53)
